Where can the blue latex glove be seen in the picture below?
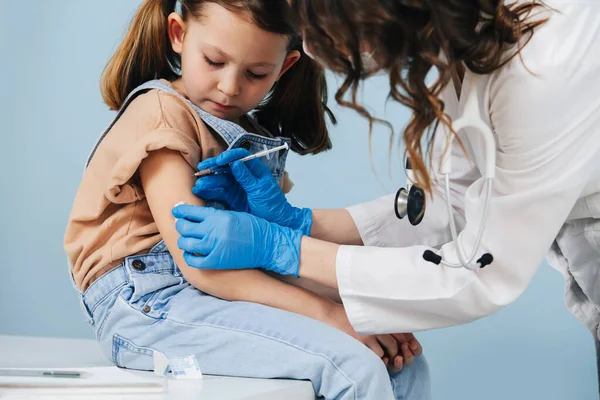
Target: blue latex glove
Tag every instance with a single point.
(251, 188)
(226, 240)
(222, 187)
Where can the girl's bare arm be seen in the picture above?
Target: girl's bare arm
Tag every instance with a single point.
(167, 179)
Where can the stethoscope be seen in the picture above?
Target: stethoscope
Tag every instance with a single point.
(411, 201)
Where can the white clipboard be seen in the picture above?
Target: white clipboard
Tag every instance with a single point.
(96, 380)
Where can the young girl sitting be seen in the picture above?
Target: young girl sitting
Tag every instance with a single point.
(184, 82)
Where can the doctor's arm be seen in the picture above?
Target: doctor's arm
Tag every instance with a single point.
(542, 166)
(335, 226)
(374, 223)
(251, 188)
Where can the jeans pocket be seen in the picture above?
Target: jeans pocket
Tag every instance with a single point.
(153, 280)
(126, 354)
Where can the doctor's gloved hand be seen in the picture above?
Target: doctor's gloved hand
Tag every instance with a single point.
(222, 187)
(228, 240)
(251, 188)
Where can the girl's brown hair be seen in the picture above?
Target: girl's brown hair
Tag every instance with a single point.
(410, 38)
(296, 106)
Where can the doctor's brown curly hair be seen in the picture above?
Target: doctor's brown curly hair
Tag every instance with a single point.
(410, 38)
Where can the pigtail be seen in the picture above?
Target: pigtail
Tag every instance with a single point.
(297, 106)
(144, 54)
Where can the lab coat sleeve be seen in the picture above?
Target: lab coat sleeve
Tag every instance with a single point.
(548, 142)
(379, 227)
(377, 222)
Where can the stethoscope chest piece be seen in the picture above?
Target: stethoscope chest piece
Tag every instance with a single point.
(410, 203)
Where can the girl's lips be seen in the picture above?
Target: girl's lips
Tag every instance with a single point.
(222, 106)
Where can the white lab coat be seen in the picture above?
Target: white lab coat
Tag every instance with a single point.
(546, 196)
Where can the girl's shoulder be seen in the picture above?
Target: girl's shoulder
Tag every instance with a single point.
(158, 109)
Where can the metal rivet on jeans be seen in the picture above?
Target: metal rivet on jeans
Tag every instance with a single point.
(138, 265)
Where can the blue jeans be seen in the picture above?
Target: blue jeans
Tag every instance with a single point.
(145, 304)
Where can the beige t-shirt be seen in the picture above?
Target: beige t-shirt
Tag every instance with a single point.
(111, 219)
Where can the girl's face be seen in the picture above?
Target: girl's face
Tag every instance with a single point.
(228, 64)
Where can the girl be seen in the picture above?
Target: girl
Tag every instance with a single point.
(184, 83)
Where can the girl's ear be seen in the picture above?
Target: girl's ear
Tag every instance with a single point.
(291, 59)
(176, 27)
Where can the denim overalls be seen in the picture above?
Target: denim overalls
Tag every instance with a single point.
(145, 304)
(234, 135)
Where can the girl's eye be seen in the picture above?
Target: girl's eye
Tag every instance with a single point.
(252, 75)
(212, 63)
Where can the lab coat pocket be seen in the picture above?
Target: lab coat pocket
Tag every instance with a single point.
(592, 234)
(126, 354)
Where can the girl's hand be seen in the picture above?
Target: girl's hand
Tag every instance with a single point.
(399, 349)
(408, 348)
(395, 350)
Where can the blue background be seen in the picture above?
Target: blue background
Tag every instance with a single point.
(53, 53)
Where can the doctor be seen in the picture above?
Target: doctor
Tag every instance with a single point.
(515, 174)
